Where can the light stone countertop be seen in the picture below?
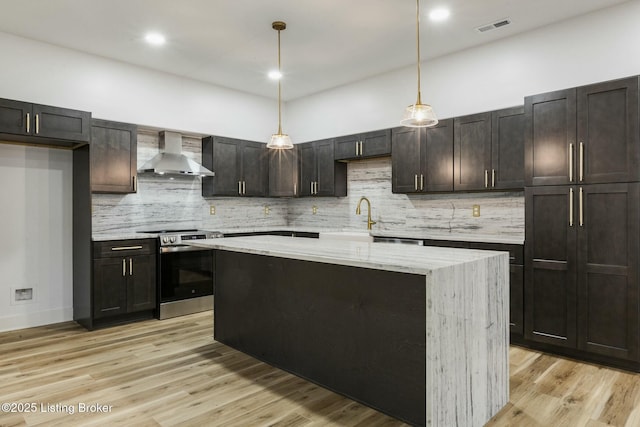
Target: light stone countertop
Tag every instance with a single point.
(379, 256)
(123, 235)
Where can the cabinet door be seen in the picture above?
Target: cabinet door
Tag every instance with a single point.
(608, 269)
(370, 144)
(516, 299)
(406, 159)
(507, 148)
(438, 157)
(113, 157)
(13, 117)
(550, 138)
(141, 283)
(376, 143)
(307, 168)
(332, 176)
(109, 287)
(550, 265)
(255, 169)
(608, 135)
(283, 173)
(347, 147)
(472, 152)
(222, 156)
(61, 123)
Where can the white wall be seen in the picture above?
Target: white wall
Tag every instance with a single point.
(591, 48)
(35, 225)
(46, 74)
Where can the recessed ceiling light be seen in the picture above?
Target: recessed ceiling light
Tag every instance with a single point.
(275, 75)
(440, 14)
(155, 39)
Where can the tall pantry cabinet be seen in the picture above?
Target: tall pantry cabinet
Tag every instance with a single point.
(582, 215)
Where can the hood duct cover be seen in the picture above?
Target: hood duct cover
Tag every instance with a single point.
(171, 161)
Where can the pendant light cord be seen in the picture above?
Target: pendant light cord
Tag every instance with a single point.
(419, 101)
(279, 90)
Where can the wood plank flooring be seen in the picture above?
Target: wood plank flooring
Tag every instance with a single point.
(172, 373)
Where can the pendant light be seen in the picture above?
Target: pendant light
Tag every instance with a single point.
(279, 140)
(419, 115)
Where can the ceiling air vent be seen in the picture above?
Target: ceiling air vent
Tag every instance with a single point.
(493, 25)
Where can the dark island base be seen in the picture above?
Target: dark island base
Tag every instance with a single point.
(356, 331)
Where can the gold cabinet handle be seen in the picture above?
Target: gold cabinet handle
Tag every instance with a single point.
(126, 248)
(135, 183)
(486, 178)
(581, 209)
(124, 267)
(244, 187)
(37, 124)
(571, 207)
(421, 182)
(493, 178)
(130, 266)
(361, 148)
(28, 122)
(357, 148)
(581, 165)
(415, 182)
(240, 187)
(571, 162)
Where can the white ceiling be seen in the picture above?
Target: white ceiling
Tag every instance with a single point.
(230, 43)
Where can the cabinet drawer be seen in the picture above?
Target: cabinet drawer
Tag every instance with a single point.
(516, 253)
(124, 248)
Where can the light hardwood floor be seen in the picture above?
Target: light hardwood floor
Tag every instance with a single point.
(171, 373)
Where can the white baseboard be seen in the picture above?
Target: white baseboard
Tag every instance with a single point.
(30, 320)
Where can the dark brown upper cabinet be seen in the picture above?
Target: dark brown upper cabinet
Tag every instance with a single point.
(284, 176)
(422, 158)
(320, 174)
(584, 135)
(507, 148)
(241, 167)
(113, 157)
(488, 150)
(472, 152)
(43, 124)
(364, 145)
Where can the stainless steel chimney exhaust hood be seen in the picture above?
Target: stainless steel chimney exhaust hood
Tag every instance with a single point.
(171, 161)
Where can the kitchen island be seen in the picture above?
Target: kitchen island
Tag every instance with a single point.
(420, 333)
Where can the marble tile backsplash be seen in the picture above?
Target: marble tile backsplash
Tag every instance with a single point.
(500, 213)
(162, 202)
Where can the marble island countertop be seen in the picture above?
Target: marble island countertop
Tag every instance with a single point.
(379, 256)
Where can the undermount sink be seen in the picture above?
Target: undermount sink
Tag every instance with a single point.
(357, 236)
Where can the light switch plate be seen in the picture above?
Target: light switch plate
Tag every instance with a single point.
(314, 209)
(212, 210)
(476, 210)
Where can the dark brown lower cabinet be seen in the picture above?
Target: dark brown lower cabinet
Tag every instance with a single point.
(581, 268)
(124, 279)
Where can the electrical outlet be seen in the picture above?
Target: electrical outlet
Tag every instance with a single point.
(314, 209)
(212, 210)
(476, 210)
(267, 209)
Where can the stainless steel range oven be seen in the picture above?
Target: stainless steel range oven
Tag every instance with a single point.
(185, 273)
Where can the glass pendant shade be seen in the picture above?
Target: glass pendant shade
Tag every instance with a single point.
(280, 141)
(419, 115)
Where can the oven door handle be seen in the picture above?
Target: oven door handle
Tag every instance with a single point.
(184, 248)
